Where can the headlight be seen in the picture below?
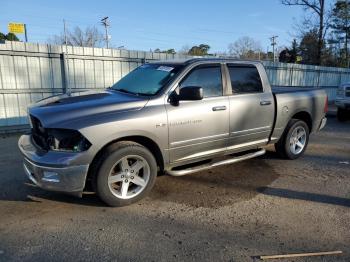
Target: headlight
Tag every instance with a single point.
(66, 140)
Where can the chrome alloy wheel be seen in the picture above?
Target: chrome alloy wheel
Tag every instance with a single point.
(297, 140)
(129, 176)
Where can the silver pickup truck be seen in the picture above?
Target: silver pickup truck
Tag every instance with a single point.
(173, 117)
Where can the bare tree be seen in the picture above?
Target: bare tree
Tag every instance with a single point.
(318, 8)
(221, 54)
(184, 50)
(245, 47)
(90, 37)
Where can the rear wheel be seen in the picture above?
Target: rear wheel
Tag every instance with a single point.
(127, 173)
(294, 140)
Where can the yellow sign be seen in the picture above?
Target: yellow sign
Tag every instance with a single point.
(16, 28)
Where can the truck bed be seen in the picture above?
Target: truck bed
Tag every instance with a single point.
(290, 89)
(292, 100)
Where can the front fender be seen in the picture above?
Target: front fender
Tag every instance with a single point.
(141, 123)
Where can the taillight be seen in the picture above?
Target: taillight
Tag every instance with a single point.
(326, 105)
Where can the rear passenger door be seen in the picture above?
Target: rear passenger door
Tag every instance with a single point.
(251, 109)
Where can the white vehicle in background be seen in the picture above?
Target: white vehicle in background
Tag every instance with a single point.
(342, 102)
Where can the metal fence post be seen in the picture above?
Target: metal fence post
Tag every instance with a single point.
(318, 77)
(64, 70)
(291, 75)
(340, 78)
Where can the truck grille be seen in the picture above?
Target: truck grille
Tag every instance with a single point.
(39, 133)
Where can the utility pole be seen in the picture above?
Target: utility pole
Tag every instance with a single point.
(105, 23)
(273, 43)
(65, 32)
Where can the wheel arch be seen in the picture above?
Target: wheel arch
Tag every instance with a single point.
(150, 144)
(304, 116)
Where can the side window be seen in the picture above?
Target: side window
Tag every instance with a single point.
(207, 77)
(245, 79)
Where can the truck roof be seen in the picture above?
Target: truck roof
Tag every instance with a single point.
(187, 61)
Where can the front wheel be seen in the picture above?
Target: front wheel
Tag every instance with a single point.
(294, 140)
(127, 173)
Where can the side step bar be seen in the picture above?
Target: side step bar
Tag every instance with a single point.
(214, 163)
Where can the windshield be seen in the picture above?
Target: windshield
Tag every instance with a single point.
(147, 79)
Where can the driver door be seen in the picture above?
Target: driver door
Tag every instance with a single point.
(199, 129)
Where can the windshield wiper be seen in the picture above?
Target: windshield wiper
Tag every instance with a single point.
(130, 92)
(124, 91)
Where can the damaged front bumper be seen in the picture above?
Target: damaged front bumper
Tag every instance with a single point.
(55, 171)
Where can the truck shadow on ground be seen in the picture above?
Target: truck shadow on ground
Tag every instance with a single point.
(29, 192)
(291, 194)
(214, 188)
(217, 187)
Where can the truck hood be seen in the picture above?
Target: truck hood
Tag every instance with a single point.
(57, 110)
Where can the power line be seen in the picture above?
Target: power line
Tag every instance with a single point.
(159, 38)
(51, 23)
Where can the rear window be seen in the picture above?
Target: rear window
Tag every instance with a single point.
(245, 79)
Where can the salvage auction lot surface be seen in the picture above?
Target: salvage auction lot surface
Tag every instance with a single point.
(233, 213)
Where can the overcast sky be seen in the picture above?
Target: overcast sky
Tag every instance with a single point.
(144, 25)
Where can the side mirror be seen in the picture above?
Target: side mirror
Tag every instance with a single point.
(191, 93)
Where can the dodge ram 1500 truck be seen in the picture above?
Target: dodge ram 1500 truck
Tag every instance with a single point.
(173, 117)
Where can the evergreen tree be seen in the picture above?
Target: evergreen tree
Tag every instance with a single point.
(201, 50)
(11, 37)
(340, 23)
(8, 37)
(308, 47)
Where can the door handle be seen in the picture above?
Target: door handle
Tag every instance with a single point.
(265, 103)
(219, 108)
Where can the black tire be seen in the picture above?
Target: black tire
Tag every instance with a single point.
(283, 147)
(112, 155)
(341, 114)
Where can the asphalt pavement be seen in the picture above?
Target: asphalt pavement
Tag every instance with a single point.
(233, 213)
